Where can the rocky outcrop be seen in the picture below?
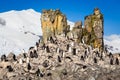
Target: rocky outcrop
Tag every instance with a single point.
(94, 27)
(53, 22)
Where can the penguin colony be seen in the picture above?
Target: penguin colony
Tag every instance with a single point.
(58, 59)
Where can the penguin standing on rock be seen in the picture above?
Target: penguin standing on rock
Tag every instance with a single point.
(37, 44)
(47, 49)
(14, 57)
(111, 61)
(59, 59)
(117, 61)
(95, 60)
(31, 54)
(38, 72)
(3, 57)
(43, 46)
(35, 54)
(68, 46)
(74, 51)
(28, 66)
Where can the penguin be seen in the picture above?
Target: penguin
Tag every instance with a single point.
(59, 59)
(35, 54)
(51, 39)
(68, 46)
(85, 54)
(3, 57)
(47, 49)
(29, 66)
(39, 40)
(14, 57)
(111, 61)
(110, 55)
(36, 48)
(43, 46)
(38, 72)
(117, 61)
(97, 54)
(24, 55)
(74, 51)
(31, 54)
(95, 60)
(37, 44)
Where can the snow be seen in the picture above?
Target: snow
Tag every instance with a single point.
(113, 43)
(14, 24)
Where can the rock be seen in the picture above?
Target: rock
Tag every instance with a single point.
(2, 73)
(53, 22)
(94, 26)
(11, 74)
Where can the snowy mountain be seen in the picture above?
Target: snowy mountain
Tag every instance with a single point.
(13, 28)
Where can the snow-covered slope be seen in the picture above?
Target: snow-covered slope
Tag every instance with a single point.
(14, 24)
(113, 43)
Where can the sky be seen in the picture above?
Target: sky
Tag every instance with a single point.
(75, 10)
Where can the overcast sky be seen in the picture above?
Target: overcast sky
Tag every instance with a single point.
(75, 10)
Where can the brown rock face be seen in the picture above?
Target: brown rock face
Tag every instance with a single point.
(77, 31)
(94, 27)
(53, 22)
